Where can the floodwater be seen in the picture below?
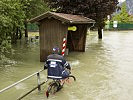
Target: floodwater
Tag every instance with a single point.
(103, 72)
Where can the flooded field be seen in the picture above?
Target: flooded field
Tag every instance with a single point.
(103, 72)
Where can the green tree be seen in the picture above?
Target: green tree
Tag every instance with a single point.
(95, 9)
(13, 16)
(33, 8)
(123, 16)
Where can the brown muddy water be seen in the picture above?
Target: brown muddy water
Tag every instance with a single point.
(103, 72)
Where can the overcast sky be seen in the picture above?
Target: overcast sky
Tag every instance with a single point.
(121, 0)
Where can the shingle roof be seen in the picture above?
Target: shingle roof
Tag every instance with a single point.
(66, 18)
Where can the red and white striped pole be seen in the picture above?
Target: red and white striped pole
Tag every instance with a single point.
(64, 46)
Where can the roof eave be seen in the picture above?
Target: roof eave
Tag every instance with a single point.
(45, 15)
(40, 17)
(52, 15)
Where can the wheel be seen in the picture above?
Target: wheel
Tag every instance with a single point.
(53, 88)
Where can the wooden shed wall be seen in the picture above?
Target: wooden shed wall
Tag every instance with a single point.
(76, 40)
(51, 32)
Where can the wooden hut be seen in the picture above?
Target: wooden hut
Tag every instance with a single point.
(53, 27)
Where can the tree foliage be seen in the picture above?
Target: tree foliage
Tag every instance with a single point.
(11, 17)
(123, 16)
(13, 14)
(95, 9)
(33, 8)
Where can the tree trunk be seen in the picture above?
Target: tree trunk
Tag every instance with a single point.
(17, 33)
(14, 36)
(13, 39)
(26, 31)
(100, 33)
(20, 34)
